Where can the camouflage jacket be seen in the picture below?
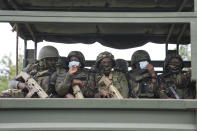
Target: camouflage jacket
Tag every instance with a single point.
(181, 83)
(41, 76)
(31, 68)
(64, 86)
(118, 80)
(56, 79)
(141, 84)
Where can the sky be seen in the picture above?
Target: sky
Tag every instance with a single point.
(8, 47)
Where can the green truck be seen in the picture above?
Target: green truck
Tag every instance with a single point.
(118, 24)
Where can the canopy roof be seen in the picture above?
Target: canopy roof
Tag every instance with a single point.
(99, 5)
(116, 35)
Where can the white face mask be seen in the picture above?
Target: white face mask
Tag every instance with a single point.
(73, 63)
(143, 64)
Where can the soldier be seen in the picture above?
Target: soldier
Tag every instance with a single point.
(77, 75)
(122, 66)
(105, 63)
(142, 78)
(41, 70)
(174, 83)
(59, 75)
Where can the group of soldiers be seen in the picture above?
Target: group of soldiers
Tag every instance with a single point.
(108, 78)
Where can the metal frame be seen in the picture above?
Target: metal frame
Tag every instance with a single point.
(93, 114)
(106, 17)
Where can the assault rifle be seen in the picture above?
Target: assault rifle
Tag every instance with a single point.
(173, 92)
(111, 88)
(33, 86)
(170, 85)
(133, 94)
(77, 92)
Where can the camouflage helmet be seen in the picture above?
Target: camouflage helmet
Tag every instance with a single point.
(79, 55)
(169, 58)
(121, 65)
(138, 56)
(48, 51)
(102, 56)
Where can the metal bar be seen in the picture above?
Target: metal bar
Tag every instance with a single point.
(195, 5)
(177, 48)
(166, 49)
(96, 17)
(25, 48)
(35, 50)
(98, 14)
(19, 19)
(97, 126)
(13, 4)
(193, 49)
(182, 5)
(90, 63)
(25, 54)
(173, 25)
(92, 103)
(17, 49)
(30, 31)
(182, 32)
(170, 33)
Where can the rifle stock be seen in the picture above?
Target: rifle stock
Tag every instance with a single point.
(33, 86)
(77, 92)
(111, 88)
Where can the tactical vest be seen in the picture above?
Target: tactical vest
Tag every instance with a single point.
(64, 86)
(88, 80)
(180, 83)
(141, 84)
(42, 77)
(118, 80)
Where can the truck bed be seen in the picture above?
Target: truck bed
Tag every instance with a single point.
(98, 114)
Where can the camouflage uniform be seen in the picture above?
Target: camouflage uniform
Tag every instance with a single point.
(175, 78)
(41, 70)
(117, 78)
(60, 73)
(140, 80)
(64, 85)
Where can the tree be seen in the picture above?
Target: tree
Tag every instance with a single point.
(8, 70)
(185, 52)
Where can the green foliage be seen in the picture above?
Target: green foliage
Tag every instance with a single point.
(3, 83)
(8, 70)
(185, 52)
